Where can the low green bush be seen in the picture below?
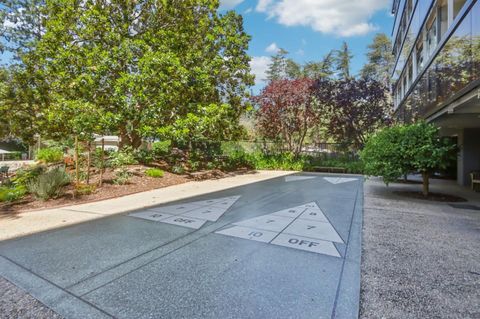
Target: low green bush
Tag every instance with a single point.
(10, 194)
(49, 184)
(154, 172)
(23, 176)
(50, 155)
(85, 189)
(178, 169)
(122, 176)
(122, 158)
(161, 149)
(144, 156)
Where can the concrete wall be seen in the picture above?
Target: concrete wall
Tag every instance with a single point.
(469, 155)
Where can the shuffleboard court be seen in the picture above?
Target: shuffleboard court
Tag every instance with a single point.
(288, 247)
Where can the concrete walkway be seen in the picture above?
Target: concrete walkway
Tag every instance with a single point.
(420, 259)
(12, 226)
(287, 247)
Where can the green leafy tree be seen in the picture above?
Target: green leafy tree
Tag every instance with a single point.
(139, 66)
(320, 70)
(281, 67)
(380, 60)
(398, 150)
(343, 59)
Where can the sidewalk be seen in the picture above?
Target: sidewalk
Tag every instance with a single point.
(33, 222)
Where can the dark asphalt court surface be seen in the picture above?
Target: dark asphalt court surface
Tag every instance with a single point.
(283, 248)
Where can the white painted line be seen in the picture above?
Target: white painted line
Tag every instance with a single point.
(339, 180)
(210, 213)
(264, 236)
(175, 209)
(307, 244)
(313, 229)
(185, 221)
(314, 214)
(291, 212)
(266, 222)
(150, 215)
(298, 178)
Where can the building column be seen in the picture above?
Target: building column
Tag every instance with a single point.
(469, 155)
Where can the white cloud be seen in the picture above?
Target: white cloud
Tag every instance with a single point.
(259, 66)
(249, 10)
(338, 17)
(272, 48)
(229, 4)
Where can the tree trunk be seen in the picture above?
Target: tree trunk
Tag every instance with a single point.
(426, 183)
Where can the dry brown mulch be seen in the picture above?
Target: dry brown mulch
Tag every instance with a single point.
(436, 197)
(137, 183)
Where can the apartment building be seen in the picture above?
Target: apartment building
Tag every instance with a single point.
(437, 71)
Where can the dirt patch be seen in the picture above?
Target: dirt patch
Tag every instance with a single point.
(137, 183)
(436, 197)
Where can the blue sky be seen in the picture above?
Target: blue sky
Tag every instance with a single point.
(309, 29)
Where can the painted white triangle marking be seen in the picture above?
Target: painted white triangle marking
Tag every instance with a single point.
(339, 180)
(303, 227)
(191, 215)
(298, 178)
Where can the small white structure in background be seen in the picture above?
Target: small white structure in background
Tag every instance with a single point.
(3, 153)
(112, 142)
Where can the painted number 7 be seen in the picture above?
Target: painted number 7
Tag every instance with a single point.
(255, 234)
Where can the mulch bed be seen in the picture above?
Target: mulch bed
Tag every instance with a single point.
(436, 197)
(137, 183)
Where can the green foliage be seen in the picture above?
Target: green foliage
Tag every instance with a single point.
(122, 158)
(10, 194)
(161, 149)
(127, 67)
(49, 184)
(25, 175)
(122, 177)
(143, 156)
(178, 169)
(119, 161)
(154, 172)
(402, 149)
(85, 189)
(50, 155)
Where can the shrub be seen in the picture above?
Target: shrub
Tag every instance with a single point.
(24, 176)
(402, 149)
(10, 194)
(178, 169)
(85, 189)
(154, 172)
(161, 148)
(122, 158)
(122, 177)
(143, 156)
(49, 184)
(50, 155)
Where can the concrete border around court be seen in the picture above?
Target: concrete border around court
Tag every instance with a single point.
(28, 223)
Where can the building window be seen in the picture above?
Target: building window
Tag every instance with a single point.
(457, 6)
(432, 36)
(443, 17)
(419, 53)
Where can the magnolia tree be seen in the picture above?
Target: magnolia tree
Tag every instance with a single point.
(402, 149)
(287, 110)
(147, 67)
